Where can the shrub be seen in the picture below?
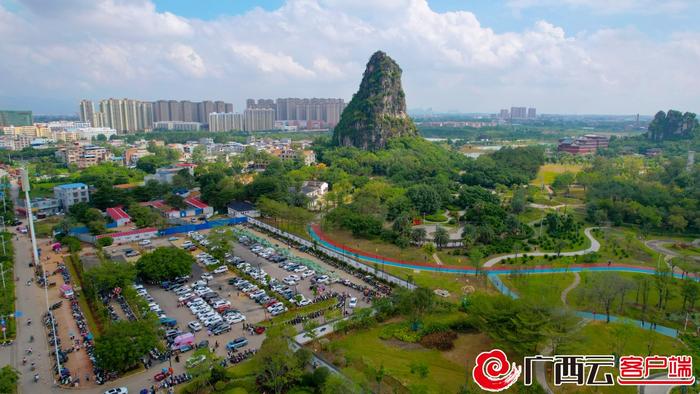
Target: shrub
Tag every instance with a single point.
(443, 340)
(106, 241)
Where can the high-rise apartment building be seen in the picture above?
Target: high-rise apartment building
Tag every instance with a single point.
(532, 113)
(126, 115)
(87, 111)
(326, 111)
(16, 118)
(225, 121)
(504, 114)
(518, 113)
(175, 109)
(258, 119)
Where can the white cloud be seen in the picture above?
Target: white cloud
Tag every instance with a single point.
(306, 48)
(609, 6)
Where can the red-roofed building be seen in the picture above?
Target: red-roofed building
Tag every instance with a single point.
(131, 236)
(196, 208)
(118, 216)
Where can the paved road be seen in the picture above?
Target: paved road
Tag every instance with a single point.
(595, 246)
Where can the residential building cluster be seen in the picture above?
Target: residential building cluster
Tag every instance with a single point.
(39, 134)
(302, 113)
(473, 124)
(83, 154)
(583, 145)
(129, 116)
(518, 113)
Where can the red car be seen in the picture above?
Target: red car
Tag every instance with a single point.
(223, 308)
(160, 376)
(272, 302)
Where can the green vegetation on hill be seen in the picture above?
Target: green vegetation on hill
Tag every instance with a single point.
(377, 112)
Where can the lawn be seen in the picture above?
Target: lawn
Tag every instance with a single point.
(544, 289)
(532, 214)
(361, 352)
(296, 229)
(598, 338)
(457, 285)
(44, 227)
(378, 247)
(622, 245)
(548, 172)
(7, 291)
(583, 298)
(42, 189)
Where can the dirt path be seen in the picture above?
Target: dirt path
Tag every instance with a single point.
(576, 282)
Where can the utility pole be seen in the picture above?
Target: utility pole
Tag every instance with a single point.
(37, 262)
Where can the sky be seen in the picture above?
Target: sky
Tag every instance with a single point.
(561, 56)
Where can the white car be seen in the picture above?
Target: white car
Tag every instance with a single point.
(185, 297)
(323, 279)
(233, 319)
(300, 268)
(194, 325)
(118, 390)
(145, 242)
(172, 239)
(213, 320)
(207, 276)
(308, 273)
(353, 302)
(288, 281)
(221, 270)
(305, 302)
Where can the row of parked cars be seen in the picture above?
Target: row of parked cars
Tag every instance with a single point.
(212, 311)
(273, 306)
(152, 304)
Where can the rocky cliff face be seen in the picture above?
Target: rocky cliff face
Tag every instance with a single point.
(377, 112)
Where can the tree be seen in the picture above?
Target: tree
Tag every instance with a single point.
(164, 263)
(379, 377)
(418, 235)
(8, 379)
(560, 328)
(145, 216)
(690, 292)
(106, 241)
(337, 385)
(277, 367)
(72, 243)
(109, 275)
(564, 181)
(519, 200)
(442, 237)
(677, 222)
(605, 289)
(123, 343)
(429, 249)
(425, 198)
(310, 327)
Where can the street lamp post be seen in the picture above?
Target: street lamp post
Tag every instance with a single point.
(37, 262)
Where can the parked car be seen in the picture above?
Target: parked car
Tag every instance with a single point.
(171, 239)
(237, 343)
(221, 270)
(195, 360)
(194, 325)
(118, 390)
(353, 302)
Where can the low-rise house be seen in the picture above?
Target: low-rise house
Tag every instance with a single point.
(314, 191)
(131, 236)
(166, 174)
(41, 207)
(242, 208)
(118, 215)
(71, 193)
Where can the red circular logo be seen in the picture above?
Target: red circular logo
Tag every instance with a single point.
(492, 371)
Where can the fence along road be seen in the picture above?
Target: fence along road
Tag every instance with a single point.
(333, 254)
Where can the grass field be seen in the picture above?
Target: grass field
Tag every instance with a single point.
(600, 338)
(7, 291)
(360, 353)
(583, 298)
(622, 245)
(543, 289)
(548, 172)
(44, 227)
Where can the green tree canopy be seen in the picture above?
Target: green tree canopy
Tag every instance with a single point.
(164, 263)
(122, 345)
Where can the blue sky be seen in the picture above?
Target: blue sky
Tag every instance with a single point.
(501, 16)
(561, 56)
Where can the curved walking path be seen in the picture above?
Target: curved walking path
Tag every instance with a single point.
(565, 293)
(595, 246)
(366, 257)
